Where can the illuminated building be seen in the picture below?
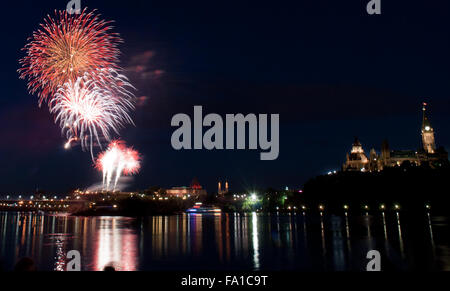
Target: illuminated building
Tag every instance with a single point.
(194, 190)
(357, 159)
(427, 155)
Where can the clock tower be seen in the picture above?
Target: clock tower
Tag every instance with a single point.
(427, 133)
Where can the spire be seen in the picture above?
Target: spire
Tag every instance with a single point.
(357, 147)
(427, 132)
(426, 125)
(385, 152)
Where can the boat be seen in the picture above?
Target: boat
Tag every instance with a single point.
(200, 208)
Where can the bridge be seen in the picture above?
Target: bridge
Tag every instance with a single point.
(46, 205)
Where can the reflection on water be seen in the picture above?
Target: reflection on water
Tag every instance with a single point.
(400, 238)
(255, 241)
(303, 241)
(115, 246)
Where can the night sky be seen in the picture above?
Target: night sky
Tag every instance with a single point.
(328, 68)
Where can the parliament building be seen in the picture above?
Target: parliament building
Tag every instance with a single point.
(427, 155)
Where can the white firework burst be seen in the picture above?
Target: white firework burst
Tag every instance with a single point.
(90, 110)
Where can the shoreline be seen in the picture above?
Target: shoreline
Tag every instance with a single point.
(306, 212)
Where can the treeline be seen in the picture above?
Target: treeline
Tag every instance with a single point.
(408, 186)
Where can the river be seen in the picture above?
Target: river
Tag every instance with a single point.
(253, 241)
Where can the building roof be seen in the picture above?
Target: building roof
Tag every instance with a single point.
(195, 184)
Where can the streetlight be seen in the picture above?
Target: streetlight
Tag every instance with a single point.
(345, 206)
(382, 206)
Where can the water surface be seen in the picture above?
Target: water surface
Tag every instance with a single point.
(228, 241)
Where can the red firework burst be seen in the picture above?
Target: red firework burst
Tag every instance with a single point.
(132, 165)
(119, 156)
(66, 47)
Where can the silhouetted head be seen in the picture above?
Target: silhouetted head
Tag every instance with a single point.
(25, 265)
(109, 269)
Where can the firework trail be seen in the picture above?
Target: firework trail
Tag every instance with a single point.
(87, 111)
(65, 48)
(116, 161)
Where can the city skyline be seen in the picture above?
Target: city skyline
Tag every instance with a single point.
(426, 154)
(268, 68)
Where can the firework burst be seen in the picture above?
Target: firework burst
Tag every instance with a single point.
(89, 112)
(71, 63)
(65, 48)
(117, 160)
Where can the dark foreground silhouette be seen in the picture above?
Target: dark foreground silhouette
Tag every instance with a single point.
(25, 265)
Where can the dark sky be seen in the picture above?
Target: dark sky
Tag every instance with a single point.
(331, 71)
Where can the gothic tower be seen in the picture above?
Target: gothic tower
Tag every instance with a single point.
(385, 154)
(427, 133)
